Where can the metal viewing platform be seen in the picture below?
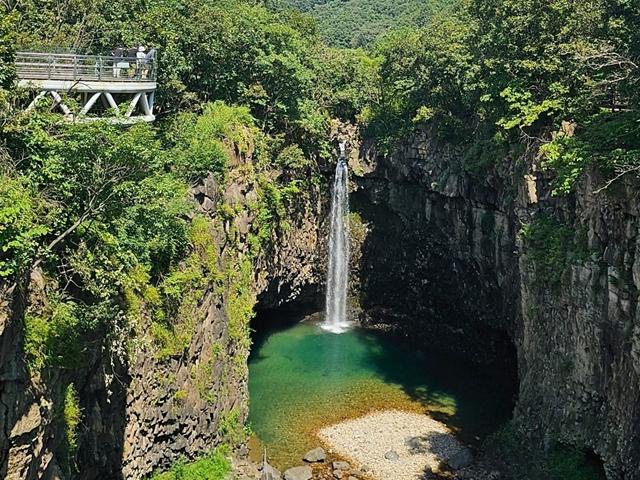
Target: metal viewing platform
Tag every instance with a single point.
(125, 86)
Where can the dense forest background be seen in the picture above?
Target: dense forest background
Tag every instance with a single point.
(359, 23)
(104, 210)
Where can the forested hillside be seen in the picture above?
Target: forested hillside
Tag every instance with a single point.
(114, 239)
(358, 23)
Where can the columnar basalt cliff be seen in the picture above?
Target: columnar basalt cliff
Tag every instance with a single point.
(483, 263)
(150, 397)
(488, 264)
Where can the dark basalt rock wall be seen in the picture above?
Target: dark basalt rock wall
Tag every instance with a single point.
(439, 258)
(445, 264)
(439, 262)
(141, 413)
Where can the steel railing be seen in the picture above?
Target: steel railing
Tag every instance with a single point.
(76, 67)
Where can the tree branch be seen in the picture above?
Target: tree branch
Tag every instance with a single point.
(630, 169)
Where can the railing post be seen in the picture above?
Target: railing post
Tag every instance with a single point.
(99, 68)
(50, 62)
(75, 67)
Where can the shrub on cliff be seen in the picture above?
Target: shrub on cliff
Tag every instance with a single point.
(214, 466)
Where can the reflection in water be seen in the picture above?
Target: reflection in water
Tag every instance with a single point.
(302, 378)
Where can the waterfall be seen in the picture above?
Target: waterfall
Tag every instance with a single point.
(338, 274)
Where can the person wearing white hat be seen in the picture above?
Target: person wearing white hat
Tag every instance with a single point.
(140, 60)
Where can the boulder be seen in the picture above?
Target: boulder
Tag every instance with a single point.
(270, 473)
(315, 455)
(208, 205)
(210, 187)
(339, 465)
(392, 456)
(461, 459)
(298, 473)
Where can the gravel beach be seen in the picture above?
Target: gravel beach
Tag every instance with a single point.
(392, 445)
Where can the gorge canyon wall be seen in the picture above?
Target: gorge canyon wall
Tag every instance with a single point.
(148, 398)
(484, 262)
(489, 265)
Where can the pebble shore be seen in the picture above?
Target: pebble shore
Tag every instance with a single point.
(393, 444)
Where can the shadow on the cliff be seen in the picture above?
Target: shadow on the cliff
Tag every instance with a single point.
(23, 397)
(268, 321)
(407, 274)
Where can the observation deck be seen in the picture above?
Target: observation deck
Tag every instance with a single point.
(125, 86)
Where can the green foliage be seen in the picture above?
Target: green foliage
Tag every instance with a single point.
(204, 143)
(426, 78)
(19, 225)
(241, 299)
(52, 338)
(293, 158)
(72, 418)
(214, 466)
(182, 290)
(104, 191)
(7, 50)
(153, 227)
(92, 204)
(180, 395)
(348, 82)
(231, 427)
(202, 375)
(552, 246)
(610, 140)
(358, 23)
(518, 71)
(233, 51)
(357, 229)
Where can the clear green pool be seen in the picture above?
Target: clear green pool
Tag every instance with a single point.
(302, 378)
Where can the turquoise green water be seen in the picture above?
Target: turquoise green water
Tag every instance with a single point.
(302, 378)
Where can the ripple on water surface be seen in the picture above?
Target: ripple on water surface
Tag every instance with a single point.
(303, 378)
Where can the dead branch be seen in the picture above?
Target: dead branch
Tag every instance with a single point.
(625, 171)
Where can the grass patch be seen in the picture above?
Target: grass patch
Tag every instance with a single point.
(215, 466)
(72, 417)
(240, 302)
(232, 428)
(71, 414)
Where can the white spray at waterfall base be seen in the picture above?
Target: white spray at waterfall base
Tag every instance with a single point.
(336, 320)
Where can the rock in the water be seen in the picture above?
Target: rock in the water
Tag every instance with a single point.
(461, 459)
(339, 465)
(315, 455)
(298, 473)
(392, 456)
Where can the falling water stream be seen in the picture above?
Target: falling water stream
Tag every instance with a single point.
(336, 320)
(303, 378)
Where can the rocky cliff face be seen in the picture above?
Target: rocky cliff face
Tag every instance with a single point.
(492, 263)
(486, 264)
(145, 407)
